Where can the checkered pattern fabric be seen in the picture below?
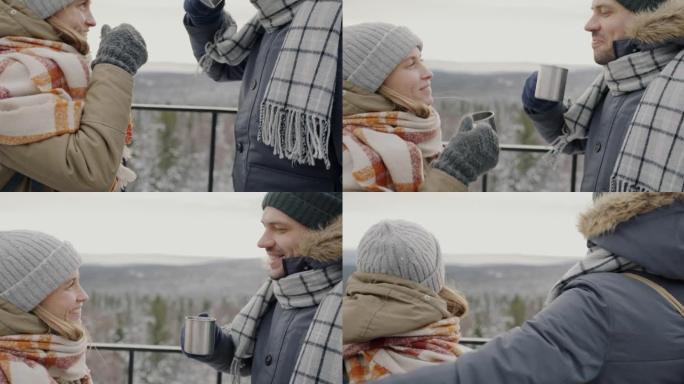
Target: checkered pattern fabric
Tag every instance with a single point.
(597, 260)
(43, 86)
(652, 156)
(297, 106)
(320, 358)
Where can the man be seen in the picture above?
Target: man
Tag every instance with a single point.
(288, 127)
(291, 330)
(630, 123)
(615, 317)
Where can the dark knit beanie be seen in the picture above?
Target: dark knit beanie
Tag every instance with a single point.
(640, 5)
(314, 210)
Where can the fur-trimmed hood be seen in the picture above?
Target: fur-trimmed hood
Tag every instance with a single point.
(324, 245)
(664, 24)
(646, 228)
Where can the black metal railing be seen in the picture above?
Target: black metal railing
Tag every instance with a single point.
(214, 111)
(522, 148)
(131, 349)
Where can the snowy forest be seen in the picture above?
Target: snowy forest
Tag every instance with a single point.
(171, 149)
(146, 304)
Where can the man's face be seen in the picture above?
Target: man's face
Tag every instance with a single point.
(281, 238)
(608, 23)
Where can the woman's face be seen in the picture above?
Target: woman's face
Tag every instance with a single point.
(412, 78)
(76, 16)
(66, 302)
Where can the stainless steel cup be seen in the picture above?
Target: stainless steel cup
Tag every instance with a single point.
(199, 335)
(551, 83)
(484, 117)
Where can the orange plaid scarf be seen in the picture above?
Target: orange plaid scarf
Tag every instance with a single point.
(435, 343)
(43, 86)
(387, 149)
(41, 359)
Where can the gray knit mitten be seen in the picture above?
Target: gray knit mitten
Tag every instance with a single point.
(472, 151)
(122, 46)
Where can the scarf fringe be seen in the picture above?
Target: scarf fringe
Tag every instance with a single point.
(295, 135)
(235, 370)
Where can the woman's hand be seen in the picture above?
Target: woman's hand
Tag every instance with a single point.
(471, 152)
(122, 46)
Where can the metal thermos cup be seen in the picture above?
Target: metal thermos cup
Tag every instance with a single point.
(551, 83)
(485, 117)
(199, 335)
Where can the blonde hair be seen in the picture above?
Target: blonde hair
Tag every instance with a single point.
(419, 109)
(457, 304)
(69, 35)
(62, 327)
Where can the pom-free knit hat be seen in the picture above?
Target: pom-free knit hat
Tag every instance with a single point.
(46, 8)
(32, 265)
(402, 249)
(640, 5)
(314, 210)
(373, 50)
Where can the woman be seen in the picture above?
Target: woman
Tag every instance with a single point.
(397, 314)
(42, 339)
(392, 135)
(617, 316)
(63, 127)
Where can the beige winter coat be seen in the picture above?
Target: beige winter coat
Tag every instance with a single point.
(88, 159)
(377, 305)
(355, 102)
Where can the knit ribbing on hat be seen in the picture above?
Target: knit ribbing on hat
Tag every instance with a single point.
(640, 5)
(33, 265)
(402, 249)
(46, 8)
(373, 50)
(314, 210)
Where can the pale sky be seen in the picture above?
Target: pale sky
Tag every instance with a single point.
(492, 31)
(161, 24)
(539, 224)
(225, 225)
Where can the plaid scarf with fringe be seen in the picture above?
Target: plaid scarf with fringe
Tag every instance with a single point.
(387, 149)
(43, 87)
(597, 260)
(320, 357)
(297, 106)
(43, 359)
(652, 155)
(433, 344)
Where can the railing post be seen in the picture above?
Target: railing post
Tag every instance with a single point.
(219, 377)
(573, 175)
(131, 362)
(212, 150)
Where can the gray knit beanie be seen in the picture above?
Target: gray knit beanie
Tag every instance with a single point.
(402, 249)
(314, 210)
(32, 265)
(373, 50)
(640, 5)
(46, 8)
